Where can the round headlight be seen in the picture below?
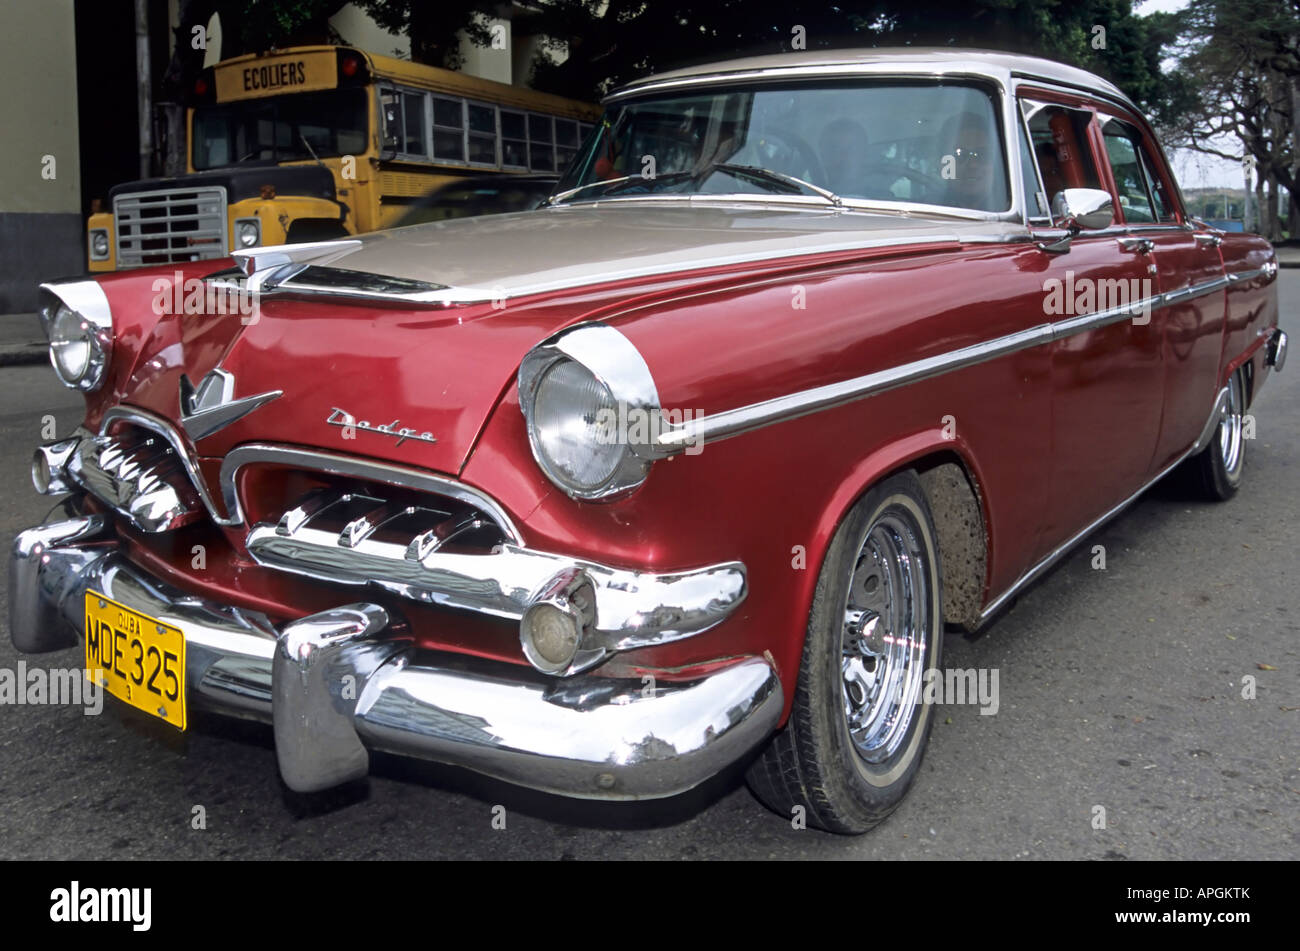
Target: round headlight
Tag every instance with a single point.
(248, 233)
(99, 244)
(574, 422)
(76, 352)
(591, 410)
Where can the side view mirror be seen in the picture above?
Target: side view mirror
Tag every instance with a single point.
(1079, 209)
(1083, 209)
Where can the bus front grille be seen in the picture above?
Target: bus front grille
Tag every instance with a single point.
(170, 226)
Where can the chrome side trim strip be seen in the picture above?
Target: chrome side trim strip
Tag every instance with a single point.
(1065, 547)
(733, 422)
(746, 418)
(318, 460)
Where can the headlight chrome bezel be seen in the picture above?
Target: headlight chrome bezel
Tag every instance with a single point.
(87, 302)
(618, 366)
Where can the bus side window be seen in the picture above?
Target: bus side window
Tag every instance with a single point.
(391, 113)
(414, 124)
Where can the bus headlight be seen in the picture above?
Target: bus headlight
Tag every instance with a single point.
(80, 331)
(592, 411)
(99, 244)
(248, 232)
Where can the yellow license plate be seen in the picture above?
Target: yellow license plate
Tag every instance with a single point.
(138, 658)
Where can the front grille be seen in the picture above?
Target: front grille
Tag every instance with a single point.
(140, 476)
(410, 528)
(170, 226)
(430, 548)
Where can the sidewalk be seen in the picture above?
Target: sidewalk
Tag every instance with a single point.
(1288, 255)
(22, 341)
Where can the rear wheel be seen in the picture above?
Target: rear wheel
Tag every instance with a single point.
(860, 721)
(1218, 467)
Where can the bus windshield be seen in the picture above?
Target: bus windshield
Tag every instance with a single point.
(282, 128)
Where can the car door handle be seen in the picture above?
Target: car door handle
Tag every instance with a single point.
(1138, 245)
(1209, 240)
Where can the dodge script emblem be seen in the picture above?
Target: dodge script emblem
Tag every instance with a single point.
(343, 418)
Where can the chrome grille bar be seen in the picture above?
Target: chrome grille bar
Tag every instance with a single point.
(140, 475)
(446, 552)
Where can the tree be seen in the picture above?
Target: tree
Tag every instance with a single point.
(434, 26)
(247, 26)
(1239, 65)
(609, 43)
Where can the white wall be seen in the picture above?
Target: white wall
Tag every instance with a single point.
(38, 113)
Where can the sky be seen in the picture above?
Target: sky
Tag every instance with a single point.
(1195, 169)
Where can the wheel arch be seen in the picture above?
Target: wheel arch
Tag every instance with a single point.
(958, 504)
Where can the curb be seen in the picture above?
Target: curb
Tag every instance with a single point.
(24, 355)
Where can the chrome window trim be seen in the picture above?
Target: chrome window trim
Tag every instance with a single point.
(1022, 128)
(743, 419)
(815, 202)
(1015, 211)
(319, 460)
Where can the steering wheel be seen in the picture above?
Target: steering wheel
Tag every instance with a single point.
(898, 169)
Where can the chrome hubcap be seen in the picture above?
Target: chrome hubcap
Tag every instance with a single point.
(886, 622)
(1230, 426)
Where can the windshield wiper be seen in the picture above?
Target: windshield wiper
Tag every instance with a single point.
(570, 192)
(773, 178)
(752, 172)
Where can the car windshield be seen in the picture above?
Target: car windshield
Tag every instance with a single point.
(935, 143)
(282, 128)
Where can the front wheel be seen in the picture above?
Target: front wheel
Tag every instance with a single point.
(861, 716)
(1217, 467)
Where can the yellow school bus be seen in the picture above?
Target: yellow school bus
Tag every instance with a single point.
(318, 142)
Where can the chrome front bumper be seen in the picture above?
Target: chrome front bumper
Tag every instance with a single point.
(338, 684)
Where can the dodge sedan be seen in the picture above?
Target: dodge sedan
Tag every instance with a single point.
(807, 360)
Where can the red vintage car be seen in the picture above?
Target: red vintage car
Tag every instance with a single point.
(807, 359)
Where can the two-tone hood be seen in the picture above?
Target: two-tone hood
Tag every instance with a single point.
(440, 368)
(568, 246)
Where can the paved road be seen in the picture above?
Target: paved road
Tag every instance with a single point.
(1119, 688)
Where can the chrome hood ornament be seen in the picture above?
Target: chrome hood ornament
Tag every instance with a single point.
(212, 405)
(268, 267)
